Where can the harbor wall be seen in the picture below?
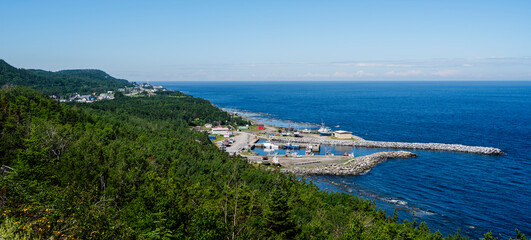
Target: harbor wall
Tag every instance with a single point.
(394, 145)
(355, 166)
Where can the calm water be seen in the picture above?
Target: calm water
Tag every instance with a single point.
(475, 193)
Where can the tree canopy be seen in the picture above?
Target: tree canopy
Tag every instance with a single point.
(61, 83)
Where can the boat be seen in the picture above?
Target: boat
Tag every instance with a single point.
(289, 146)
(269, 145)
(306, 130)
(309, 151)
(275, 161)
(324, 130)
(296, 133)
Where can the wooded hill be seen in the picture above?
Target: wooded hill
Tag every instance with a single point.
(132, 168)
(60, 83)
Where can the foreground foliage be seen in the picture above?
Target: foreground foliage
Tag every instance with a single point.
(132, 168)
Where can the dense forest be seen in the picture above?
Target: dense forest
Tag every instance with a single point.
(132, 168)
(61, 83)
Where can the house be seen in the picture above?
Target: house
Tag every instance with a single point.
(260, 127)
(220, 130)
(208, 125)
(85, 98)
(342, 134)
(243, 127)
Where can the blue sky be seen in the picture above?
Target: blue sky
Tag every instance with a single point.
(272, 40)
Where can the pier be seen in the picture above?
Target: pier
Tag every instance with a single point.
(393, 145)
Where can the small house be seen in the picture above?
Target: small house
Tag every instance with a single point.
(220, 130)
(342, 134)
(260, 127)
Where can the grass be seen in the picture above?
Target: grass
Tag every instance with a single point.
(254, 128)
(218, 138)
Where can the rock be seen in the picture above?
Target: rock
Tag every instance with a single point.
(355, 166)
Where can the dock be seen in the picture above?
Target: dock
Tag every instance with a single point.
(315, 147)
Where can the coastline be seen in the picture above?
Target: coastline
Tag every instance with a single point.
(461, 163)
(357, 141)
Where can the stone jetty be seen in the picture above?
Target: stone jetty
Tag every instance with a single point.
(394, 145)
(355, 166)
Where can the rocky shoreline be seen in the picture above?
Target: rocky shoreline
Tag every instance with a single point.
(395, 145)
(355, 166)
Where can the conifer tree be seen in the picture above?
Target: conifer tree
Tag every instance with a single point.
(278, 216)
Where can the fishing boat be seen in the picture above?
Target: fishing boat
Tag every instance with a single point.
(296, 133)
(270, 145)
(290, 146)
(324, 130)
(275, 161)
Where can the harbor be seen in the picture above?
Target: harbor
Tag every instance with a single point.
(323, 151)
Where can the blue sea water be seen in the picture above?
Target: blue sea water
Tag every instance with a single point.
(475, 193)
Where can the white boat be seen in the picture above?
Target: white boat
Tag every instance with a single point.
(324, 130)
(296, 133)
(275, 160)
(270, 145)
(306, 130)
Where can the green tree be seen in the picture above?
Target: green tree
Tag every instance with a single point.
(278, 217)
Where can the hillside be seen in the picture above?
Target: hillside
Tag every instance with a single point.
(132, 168)
(61, 83)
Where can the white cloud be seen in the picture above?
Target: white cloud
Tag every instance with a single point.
(314, 75)
(445, 73)
(362, 73)
(405, 74)
(343, 75)
(376, 64)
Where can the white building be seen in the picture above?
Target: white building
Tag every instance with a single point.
(342, 134)
(220, 130)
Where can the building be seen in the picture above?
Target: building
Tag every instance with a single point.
(260, 127)
(220, 130)
(228, 134)
(342, 134)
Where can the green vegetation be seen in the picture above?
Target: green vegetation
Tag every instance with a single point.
(132, 168)
(61, 83)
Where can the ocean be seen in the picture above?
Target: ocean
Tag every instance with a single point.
(447, 190)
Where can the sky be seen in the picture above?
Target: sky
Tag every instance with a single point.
(272, 40)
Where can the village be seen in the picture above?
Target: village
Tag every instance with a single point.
(138, 89)
(297, 147)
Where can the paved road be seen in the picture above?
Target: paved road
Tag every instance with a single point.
(241, 140)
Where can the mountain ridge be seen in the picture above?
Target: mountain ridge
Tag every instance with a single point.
(60, 83)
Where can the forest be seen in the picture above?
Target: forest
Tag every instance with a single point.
(133, 168)
(61, 83)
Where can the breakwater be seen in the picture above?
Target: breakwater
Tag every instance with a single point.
(395, 145)
(355, 166)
